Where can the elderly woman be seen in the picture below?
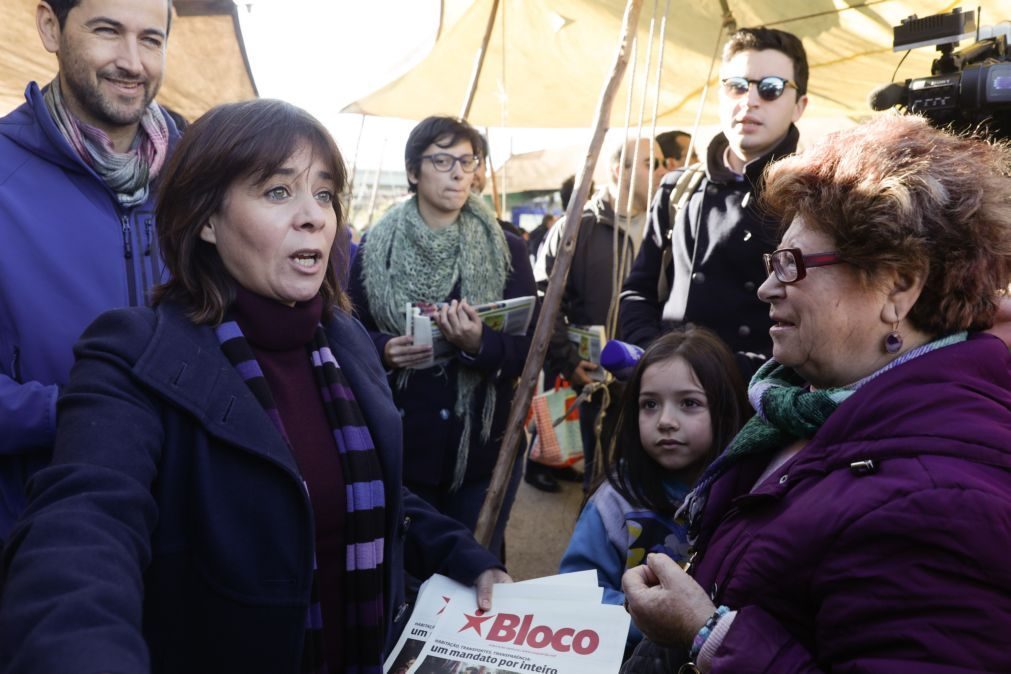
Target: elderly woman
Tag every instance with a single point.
(225, 494)
(860, 522)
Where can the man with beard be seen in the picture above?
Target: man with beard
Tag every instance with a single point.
(77, 165)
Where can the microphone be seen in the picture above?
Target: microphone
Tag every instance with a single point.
(888, 96)
(619, 358)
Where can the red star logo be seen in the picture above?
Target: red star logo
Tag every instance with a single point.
(475, 622)
(445, 603)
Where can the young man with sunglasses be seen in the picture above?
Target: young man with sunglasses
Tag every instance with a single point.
(701, 258)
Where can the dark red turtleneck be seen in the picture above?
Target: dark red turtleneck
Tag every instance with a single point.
(280, 336)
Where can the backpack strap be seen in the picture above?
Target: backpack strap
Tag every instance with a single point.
(684, 188)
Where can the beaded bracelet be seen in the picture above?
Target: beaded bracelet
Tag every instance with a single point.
(700, 638)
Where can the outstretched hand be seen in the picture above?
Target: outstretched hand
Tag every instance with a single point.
(665, 602)
(483, 586)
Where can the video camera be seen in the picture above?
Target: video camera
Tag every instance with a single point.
(967, 88)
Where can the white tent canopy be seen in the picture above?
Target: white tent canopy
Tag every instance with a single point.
(547, 59)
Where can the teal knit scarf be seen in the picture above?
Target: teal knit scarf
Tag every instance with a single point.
(786, 409)
(404, 260)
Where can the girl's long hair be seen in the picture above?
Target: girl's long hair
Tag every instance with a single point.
(632, 472)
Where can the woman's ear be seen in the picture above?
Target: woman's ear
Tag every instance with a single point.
(207, 232)
(903, 291)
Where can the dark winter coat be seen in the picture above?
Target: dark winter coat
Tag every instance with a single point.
(589, 286)
(431, 428)
(718, 240)
(173, 532)
(837, 566)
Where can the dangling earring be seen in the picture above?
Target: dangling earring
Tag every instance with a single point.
(893, 340)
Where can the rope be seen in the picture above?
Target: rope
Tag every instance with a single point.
(609, 333)
(730, 23)
(659, 77)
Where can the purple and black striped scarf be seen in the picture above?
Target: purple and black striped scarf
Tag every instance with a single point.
(365, 503)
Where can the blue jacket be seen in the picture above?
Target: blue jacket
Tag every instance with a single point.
(172, 532)
(612, 536)
(431, 429)
(68, 253)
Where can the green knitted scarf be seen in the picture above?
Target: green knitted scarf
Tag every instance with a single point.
(786, 409)
(404, 260)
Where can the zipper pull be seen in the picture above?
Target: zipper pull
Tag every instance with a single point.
(127, 246)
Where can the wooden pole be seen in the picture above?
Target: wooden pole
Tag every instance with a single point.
(354, 172)
(375, 186)
(475, 76)
(556, 285)
(494, 182)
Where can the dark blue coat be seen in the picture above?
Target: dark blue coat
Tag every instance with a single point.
(172, 533)
(431, 429)
(716, 266)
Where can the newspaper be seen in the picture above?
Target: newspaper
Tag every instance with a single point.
(554, 625)
(511, 316)
(589, 341)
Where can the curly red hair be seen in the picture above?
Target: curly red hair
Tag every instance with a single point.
(897, 195)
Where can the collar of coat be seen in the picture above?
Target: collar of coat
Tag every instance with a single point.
(184, 364)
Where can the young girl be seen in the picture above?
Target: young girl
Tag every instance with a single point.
(682, 405)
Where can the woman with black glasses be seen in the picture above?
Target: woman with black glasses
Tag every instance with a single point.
(444, 246)
(860, 521)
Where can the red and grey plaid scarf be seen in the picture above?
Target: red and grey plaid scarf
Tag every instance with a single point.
(127, 174)
(366, 502)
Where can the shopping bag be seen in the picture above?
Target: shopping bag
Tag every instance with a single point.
(555, 414)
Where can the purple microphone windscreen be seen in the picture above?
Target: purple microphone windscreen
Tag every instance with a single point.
(620, 358)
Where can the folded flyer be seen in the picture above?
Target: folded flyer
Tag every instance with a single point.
(550, 626)
(511, 316)
(589, 341)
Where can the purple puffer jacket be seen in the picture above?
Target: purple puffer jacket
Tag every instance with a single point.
(836, 566)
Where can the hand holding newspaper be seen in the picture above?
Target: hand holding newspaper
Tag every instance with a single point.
(510, 316)
(553, 625)
(589, 341)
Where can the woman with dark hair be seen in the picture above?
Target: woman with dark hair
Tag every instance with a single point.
(444, 246)
(681, 406)
(860, 521)
(225, 493)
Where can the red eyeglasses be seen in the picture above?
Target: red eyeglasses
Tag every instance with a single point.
(790, 264)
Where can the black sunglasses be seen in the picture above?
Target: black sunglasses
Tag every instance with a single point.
(770, 87)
